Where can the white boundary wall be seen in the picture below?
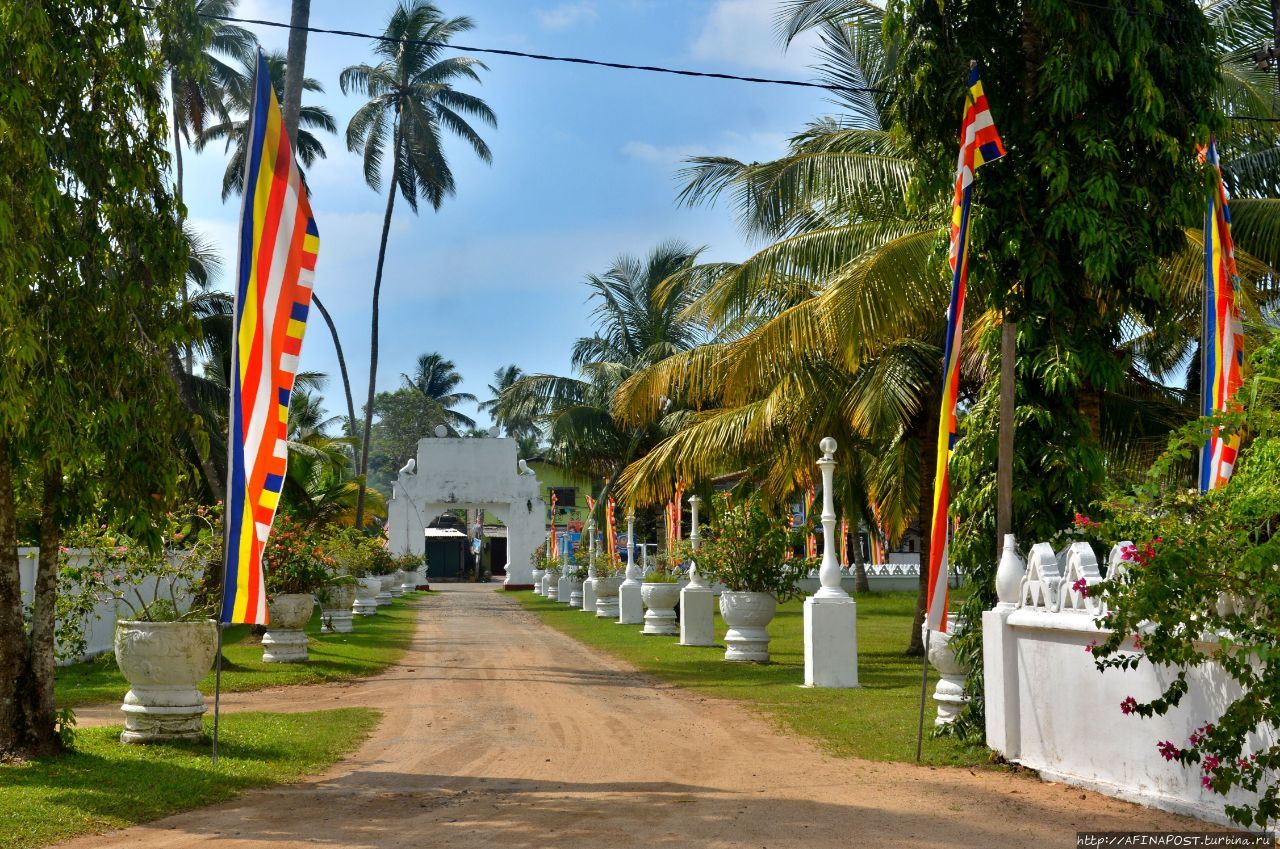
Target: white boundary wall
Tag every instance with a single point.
(100, 628)
(1049, 708)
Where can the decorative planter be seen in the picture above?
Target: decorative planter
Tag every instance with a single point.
(408, 581)
(367, 596)
(163, 662)
(660, 602)
(949, 694)
(537, 581)
(575, 592)
(607, 596)
(397, 583)
(748, 616)
(285, 641)
(335, 609)
(551, 584)
(385, 583)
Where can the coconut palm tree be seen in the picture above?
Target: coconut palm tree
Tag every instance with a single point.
(412, 103)
(504, 377)
(194, 46)
(233, 130)
(438, 379)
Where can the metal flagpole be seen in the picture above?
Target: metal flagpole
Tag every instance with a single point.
(924, 687)
(217, 685)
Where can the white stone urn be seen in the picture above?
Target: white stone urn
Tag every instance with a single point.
(367, 596)
(748, 616)
(385, 583)
(285, 641)
(607, 596)
(660, 600)
(335, 608)
(551, 584)
(408, 581)
(949, 694)
(575, 591)
(163, 662)
(397, 583)
(537, 581)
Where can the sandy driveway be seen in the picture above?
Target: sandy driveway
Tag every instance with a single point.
(500, 732)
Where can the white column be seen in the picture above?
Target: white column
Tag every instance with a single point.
(697, 600)
(563, 589)
(630, 603)
(589, 585)
(830, 614)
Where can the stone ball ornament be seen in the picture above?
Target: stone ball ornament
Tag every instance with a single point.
(827, 446)
(441, 431)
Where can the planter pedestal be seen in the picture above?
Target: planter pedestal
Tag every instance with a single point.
(660, 609)
(537, 581)
(549, 580)
(397, 584)
(589, 595)
(408, 582)
(562, 589)
(575, 592)
(697, 616)
(385, 582)
(163, 662)
(285, 641)
(830, 642)
(949, 694)
(367, 597)
(335, 612)
(630, 604)
(748, 616)
(607, 597)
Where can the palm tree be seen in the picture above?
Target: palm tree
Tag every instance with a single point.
(193, 44)
(504, 377)
(438, 379)
(412, 102)
(234, 131)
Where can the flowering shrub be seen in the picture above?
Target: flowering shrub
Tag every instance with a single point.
(1201, 584)
(746, 549)
(294, 560)
(579, 562)
(99, 565)
(353, 552)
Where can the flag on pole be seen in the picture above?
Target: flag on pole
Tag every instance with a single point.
(844, 543)
(811, 541)
(278, 246)
(1223, 342)
(611, 530)
(876, 535)
(553, 551)
(979, 144)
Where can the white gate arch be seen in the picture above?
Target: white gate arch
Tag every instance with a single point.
(469, 472)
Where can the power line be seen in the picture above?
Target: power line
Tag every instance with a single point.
(654, 69)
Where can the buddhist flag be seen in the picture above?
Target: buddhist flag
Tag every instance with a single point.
(979, 144)
(278, 246)
(1223, 343)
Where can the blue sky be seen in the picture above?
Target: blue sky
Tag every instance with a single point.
(584, 163)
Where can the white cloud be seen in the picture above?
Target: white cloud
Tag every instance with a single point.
(662, 154)
(742, 33)
(747, 147)
(567, 15)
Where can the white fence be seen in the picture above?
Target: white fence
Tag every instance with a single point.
(99, 628)
(1049, 708)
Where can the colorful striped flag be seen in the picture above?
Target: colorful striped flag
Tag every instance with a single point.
(844, 543)
(611, 530)
(876, 535)
(278, 246)
(979, 144)
(551, 548)
(811, 541)
(1223, 343)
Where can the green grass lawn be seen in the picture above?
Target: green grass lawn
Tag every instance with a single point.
(105, 785)
(876, 721)
(376, 643)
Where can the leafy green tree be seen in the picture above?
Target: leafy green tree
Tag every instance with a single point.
(504, 377)
(403, 417)
(412, 104)
(438, 379)
(233, 130)
(92, 261)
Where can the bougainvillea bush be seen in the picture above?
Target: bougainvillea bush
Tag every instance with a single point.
(1201, 583)
(294, 560)
(747, 548)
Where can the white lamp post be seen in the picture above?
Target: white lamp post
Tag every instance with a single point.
(630, 601)
(589, 585)
(697, 601)
(830, 614)
(563, 589)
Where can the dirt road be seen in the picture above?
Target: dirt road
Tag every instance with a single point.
(500, 732)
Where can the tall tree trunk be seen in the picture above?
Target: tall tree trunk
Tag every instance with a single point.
(182, 380)
(927, 427)
(342, 364)
(295, 65)
(13, 638)
(41, 712)
(373, 331)
(1004, 465)
(860, 582)
(177, 151)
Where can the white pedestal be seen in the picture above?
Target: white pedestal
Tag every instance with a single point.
(564, 588)
(547, 584)
(630, 605)
(697, 616)
(384, 598)
(336, 621)
(284, 646)
(589, 595)
(830, 642)
(575, 593)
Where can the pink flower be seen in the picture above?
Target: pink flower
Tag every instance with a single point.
(1210, 763)
(1206, 782)
(1129, 552)
(1092, 645)
(64, 549)
(1167, 750)
(1129, 705)
(1081, 586)
(1137, 641)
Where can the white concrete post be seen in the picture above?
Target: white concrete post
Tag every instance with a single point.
(589, 585)
(1000, 654)
(630, 601)
(830, 615)
(538, 572)
(563, 588)
(697, 601)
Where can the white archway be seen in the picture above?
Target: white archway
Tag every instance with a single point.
(452, 473)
